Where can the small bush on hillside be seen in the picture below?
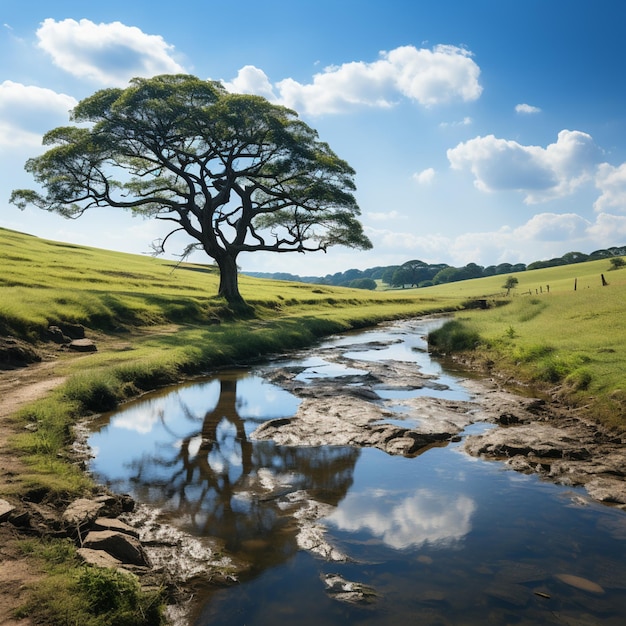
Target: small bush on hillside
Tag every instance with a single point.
(453, 336)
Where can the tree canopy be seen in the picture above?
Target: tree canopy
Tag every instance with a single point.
(234, 172)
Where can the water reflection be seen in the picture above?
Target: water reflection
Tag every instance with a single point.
(424, 517)
(201, 468)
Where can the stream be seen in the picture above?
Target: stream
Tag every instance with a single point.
(353, 534)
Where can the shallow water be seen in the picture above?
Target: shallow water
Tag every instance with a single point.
(441, 538)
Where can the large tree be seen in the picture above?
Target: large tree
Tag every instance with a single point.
(235, 172)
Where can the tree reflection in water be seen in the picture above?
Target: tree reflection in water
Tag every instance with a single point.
(217, 482)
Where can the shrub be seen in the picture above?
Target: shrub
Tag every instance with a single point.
(453, 336)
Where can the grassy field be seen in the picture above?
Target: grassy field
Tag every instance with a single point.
(156, 322)
(571, 342)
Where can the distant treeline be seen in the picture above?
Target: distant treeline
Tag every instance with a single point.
(419, 274)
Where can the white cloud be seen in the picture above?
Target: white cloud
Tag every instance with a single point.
(26, 112)
(423, 517)
(425, 177)
(466, 121)
(611, 181)
(608, 230)
(251, 80)
(540, 173)
(382, 217)
(429, 77)
(527, 109)
(553, 227)
(543, 236)
(109, 54)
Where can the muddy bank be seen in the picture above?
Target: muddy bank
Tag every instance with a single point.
(530, 435)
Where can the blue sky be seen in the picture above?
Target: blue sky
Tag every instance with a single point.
(487, 131)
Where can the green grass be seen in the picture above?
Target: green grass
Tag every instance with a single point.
(570, 342)
(75, 593)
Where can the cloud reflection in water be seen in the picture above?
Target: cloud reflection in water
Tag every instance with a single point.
(423, 517)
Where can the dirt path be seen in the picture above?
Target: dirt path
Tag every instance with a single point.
(18, 387)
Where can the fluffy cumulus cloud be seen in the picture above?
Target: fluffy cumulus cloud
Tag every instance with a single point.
(611, 181)
(540, 173)
(552, 227)
(609, 230)
(428, 77)
(425, 177)
(109, 54)
(527, 109)
(27, 111)
(543, 236)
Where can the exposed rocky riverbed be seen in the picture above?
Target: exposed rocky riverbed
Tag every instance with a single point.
(532, 434)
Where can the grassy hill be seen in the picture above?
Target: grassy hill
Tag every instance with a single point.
(46, 282)
(562, 330)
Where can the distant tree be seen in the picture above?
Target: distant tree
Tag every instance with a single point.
(417, 271)
(234, 172)
(401, 277)
(387, 276)
(447, 275)
(536, 265)
(471, 270)
(510, 283)
(363, 283)
(617, 262)
(503, 268)
(574, 257)
(350, 275)
(600, 254)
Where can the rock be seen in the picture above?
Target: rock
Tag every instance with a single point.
(580, 583)
(346, 591)
(99, 558)
(108, 523)
(73, 331)
(364, 392)
(83, 345)
(124, 547)
(5, 510)
(537, 440)
(54, 333)
(612, 490)
(506, 419)
(16, 353)
(81, 512)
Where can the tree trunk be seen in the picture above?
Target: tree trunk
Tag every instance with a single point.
(229, 284)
